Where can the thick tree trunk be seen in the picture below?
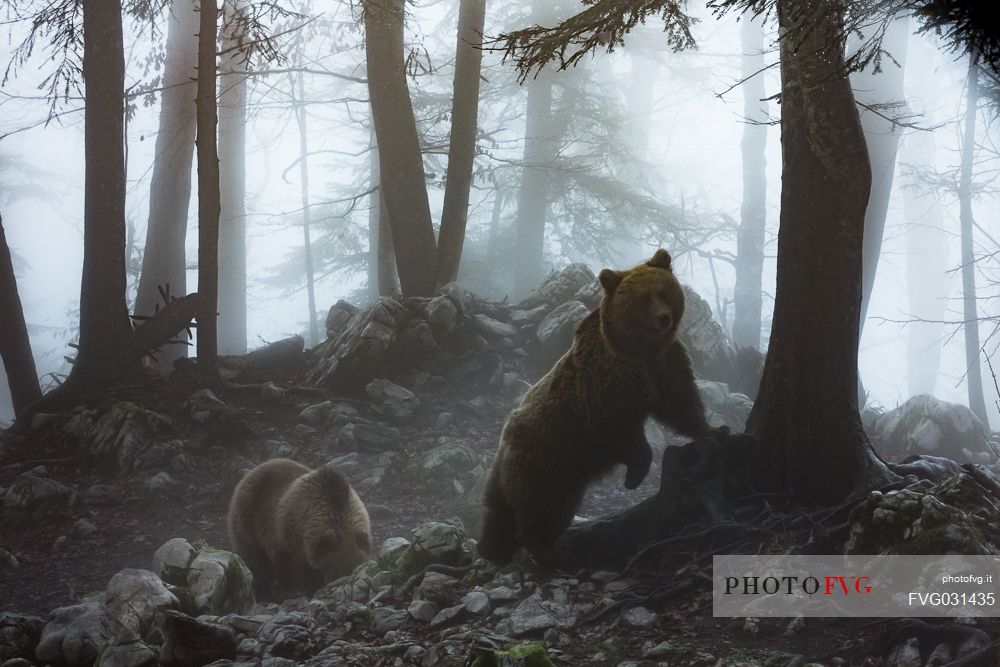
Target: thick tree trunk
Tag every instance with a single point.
(806, 410)
(105, 330)
(882, 138)
(15, 348)
(304, 183)
(208, 189)
(403, 187)
(462, 146)
(748, 292)
(163, 261)
(926, 270)
(232, 184)
(970, 311)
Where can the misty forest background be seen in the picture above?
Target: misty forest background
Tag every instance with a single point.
(324, 111)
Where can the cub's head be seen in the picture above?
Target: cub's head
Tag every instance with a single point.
(642, 307)
(336, 534)
(336, 552)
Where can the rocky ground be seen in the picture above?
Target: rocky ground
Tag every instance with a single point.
(115, 512)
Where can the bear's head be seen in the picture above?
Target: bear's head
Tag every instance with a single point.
(335, 530)
(642, 307)
(335, 553)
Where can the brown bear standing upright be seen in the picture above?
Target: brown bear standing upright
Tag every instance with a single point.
(298, 527)
(587, 413)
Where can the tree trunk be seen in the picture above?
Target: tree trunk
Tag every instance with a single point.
(748, 292)
(232, 290)
(208, 190)
(304, 181)
(882, 138)
(926, 270)
(403, 187)
(163, 261)
(15, 348)
(462, 146)
(973, 376)
(105, 330)
(533, 194)
(382, 277)
(806, 410)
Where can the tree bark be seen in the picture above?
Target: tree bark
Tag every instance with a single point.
(462, 146)
(806, 411)
(926, 270)
(382, 277)
(304, 183)
(748, 291)
(15, 348)
(973, 377)
(105, 331)
(882, 138)
(533, 194)
(163, 260)
(232, 121)
(401, 165)
(208, 189)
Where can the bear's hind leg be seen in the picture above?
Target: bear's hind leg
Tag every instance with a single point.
(498, 542)
(541, 524)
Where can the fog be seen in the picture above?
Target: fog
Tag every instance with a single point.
(692, 160)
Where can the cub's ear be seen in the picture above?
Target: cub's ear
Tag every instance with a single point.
(660, 259)
(610, 280)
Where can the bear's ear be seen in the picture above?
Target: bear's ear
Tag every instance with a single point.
(660, 259)
(363, 541)
(610, 279)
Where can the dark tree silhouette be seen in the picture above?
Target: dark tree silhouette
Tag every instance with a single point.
(15, 348)
(401, 168)
(105, 331)
(462, 147)
(208, 188)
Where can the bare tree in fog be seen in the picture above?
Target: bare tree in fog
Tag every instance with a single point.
(163, 260)
(880, 94)
(748, 292)
(232, 121)
(974, 376)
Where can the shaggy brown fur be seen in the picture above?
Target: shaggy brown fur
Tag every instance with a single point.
(298, 527)
(587, 414)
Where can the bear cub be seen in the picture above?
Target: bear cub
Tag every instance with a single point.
(587, 413)
(298, 528)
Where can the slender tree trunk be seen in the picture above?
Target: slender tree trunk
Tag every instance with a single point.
(382, 277)
(533, 194)
(304, 180)
(926, 270)
(105, 330)
(462, 146)
(15, 348)
(753, 212)
(163, 260)
(882, 138)
(807, 411)
(208, 189)
(403, 188)
(232, 184)
(973, 376)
